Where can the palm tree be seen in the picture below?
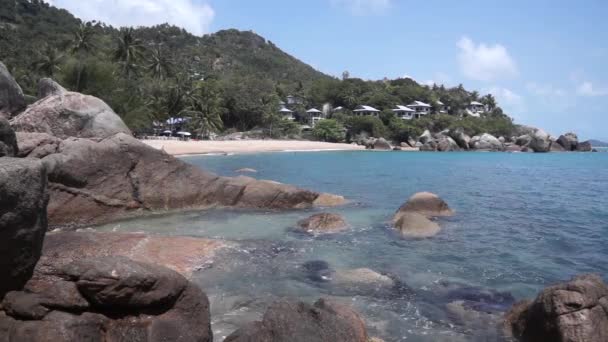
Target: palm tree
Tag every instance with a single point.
(161, 65)
(489, 101)
(128, 51)
(204, 109)
(49, 62)
(82, 45)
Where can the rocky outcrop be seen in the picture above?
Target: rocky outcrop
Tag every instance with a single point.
(99, 181)
(556, 147)
(425, 137)
(572, 311)
(48, 87)
(414, 225)
(107, 299)
(568, 141)
(447, 144)
(36, 145)
(300, 322)
(323, 223)
(460, 138)
(12, 100)
(382, 144)
(68, 114)
(429, 146)
(584, 146)
(23, 200)
(486, 142)
(426, 204)
(8, 140)
(523, 140)
(540, 142)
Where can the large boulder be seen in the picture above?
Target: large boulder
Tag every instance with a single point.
(556, 147)
(426, 204)
(572, 311)
(300, 322)
(323, 223)
(523, 140)
(12, 100)
(414, 225)
(487, 142)
(48, 87)
(68, 114)
(382, 144)
(429, 146)
(584, 146)
(36, 145)
(23, 201)
(425, 137)
(107, 299)
(8, 139)
(461, 138)
(96, 181)
(541, 141)
(568, 141)
(447, 144)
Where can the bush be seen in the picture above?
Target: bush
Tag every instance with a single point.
(328, 130)
(368, 124)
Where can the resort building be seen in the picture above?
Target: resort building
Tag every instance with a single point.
(313, 116)
(476, 109)
(420, 108)
(364, 110)
(442, 108)
(404, 112)
(287, 114)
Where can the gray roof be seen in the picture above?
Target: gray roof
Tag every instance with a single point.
(418, 104)
(403, 109)
(364, 108)
(475, 103)
(285, 110)
(314, 110)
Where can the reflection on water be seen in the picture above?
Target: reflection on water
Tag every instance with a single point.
(523, 221)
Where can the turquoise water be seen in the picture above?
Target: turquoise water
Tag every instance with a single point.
(522, 221)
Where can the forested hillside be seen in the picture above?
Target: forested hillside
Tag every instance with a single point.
(229, 79)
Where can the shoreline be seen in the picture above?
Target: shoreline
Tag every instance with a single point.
(192, 148)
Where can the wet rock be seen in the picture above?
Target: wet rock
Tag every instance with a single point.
(37, 145)
(246, 170)
(23, 203)
(48, 87)
(300, 322)
(329, 200)
(8, 140)
(12, 100)
(70, 114)
(324, 223)
(568, 141)
(523, 140)
(572, 311)
(318, 271)
(584, 146)
(382, 144)
(363, 279)
(426, 204)
(415, 225)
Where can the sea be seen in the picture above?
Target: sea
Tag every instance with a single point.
(523, 222)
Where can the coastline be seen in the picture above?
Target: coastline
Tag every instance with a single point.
(185, 148)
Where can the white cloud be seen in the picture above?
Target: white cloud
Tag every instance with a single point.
(485, 62)
(363, 7)
(191, 15)
(545, 90)
(588, 89)
(509, 100)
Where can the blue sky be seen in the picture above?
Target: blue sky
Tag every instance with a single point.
(545, 61)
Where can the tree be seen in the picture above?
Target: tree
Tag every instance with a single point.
(328, 130)
(160, 65)
(128, 51)
(345, 75)
(49, 61)
(489, 101)
(82, 45)
(204, 107)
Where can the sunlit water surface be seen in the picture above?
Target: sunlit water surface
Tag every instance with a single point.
(523, 221)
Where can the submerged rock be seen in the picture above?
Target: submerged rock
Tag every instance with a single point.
(426, 204)
(324, 223)
(300, 322)
(8, 140)
(572, 311)
(23, 201)
(362, 279)
(12, 100)
(415, 225)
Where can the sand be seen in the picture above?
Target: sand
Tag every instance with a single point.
(176, 147)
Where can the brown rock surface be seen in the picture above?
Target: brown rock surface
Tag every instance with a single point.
(324, 223)
(415, 225)
(425, 203)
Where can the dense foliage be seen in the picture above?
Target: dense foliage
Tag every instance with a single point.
(226, 80)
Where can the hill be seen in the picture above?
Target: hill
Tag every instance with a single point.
(597, 143)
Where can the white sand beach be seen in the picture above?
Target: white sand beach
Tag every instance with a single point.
(176, 147)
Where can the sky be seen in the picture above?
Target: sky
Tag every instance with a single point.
(545, 61)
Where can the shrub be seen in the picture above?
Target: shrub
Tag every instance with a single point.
(328, 130)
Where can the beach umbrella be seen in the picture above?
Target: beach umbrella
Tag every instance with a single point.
(186, 134)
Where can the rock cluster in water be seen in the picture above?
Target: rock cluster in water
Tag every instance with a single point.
(413, 218)
(323, 223)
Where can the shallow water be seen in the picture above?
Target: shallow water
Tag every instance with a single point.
(523, 221)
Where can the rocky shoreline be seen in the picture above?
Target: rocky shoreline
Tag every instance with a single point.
(73, 163)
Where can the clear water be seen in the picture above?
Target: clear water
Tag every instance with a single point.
(523, 221)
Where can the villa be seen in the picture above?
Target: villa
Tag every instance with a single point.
(287, 114)
(476, 109)
(364, 110)
(442, 108)
(420, 108)
(313, 116)
(404, 112)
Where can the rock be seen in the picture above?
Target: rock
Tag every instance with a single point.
(447, 144)
(324, 223)
(523, 140)
(426, 204)
(512, 148)
(108, 299)
(487, 142)
(246, 170)
(48, 87)
(397, 148)
(411, 142)
(502, 140)
(382, 144)
(556, 147)
(361, 279)
(568, 141)
(300, 322)
(415, 225)
(460, 138)
(405, 145)
(585, 146)
(36, 145)
(541, 141)
(572, 311)
(12, 100)
(8, 139)
(425, 137)
(70, 114)
(329, 200)
(23, 202)
(429, 146)
(98, 181)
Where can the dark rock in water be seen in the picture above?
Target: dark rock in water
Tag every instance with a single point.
(429, 146)
(523, 140)
(487, 142)
(585, 146)
(447, 144)
(48, 87)
(23, 202)
(482, 300)
(317, 271)
(572, 311)
(541, 141)
(107, 299)
(414, 225)
(12, 100)
(8, 140)
(555, 147)
(460, 138)
(300, 322)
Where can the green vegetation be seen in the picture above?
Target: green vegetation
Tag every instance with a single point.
(329, 130)
(229, 80)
